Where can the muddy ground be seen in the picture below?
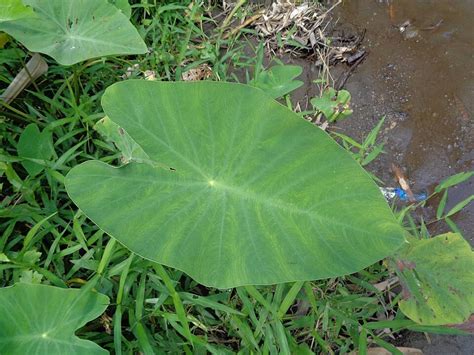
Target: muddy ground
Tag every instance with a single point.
(421, 78)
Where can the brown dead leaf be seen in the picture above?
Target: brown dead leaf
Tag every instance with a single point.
(106, 322)
(385, 285)
(149, 75)
(202, 72)
(297, 21)
(35, 67)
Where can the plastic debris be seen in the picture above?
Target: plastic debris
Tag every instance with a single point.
(396, 192)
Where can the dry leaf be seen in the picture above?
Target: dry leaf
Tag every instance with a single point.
(202, 72)
(149, 75)
(35, 67)
(385, 285)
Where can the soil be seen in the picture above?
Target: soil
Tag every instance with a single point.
(423, 85)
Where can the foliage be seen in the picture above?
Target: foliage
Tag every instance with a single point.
(253, 215)
(278, 80)
(438, 279)
(71, 31)
(334, 105)
(124, 6)
(366, 151)
(14, 10)
(44, 318)
(35, 145)
(45, 239)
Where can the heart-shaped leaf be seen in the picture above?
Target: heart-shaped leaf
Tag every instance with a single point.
(253, 193)
(438, 279)
(36, 145)
(278, 80)
(40, 319)
(333, 104)
(13, 10)
(71, 31)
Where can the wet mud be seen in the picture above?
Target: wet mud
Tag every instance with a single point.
(421, 78)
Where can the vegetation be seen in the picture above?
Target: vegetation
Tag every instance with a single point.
(67, 273)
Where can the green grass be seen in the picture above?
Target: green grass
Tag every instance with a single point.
(156, 309)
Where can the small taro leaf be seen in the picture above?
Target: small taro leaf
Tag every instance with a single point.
(257, 195)
(326, 103)
(439, 282)
(71, 31)
(123, 6)
(333, 104)
(34, 144)
(278, 80)
(13, 10)
(42, 319)
(30, 277)
(112, 132)
(343, 100)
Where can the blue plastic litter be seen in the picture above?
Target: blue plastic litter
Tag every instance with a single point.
(392, 192)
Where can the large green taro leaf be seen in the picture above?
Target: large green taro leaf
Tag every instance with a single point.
(254, 194)
(438, 279)
(40, 319)
(71, 31)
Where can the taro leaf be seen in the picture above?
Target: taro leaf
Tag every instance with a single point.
(71, 31)
(34, 144)
(112, 132)
(333, 104)
(13, 10)
(438, 279)
(40, 319)
(256, 195)
(278, 80)
(124, 6)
